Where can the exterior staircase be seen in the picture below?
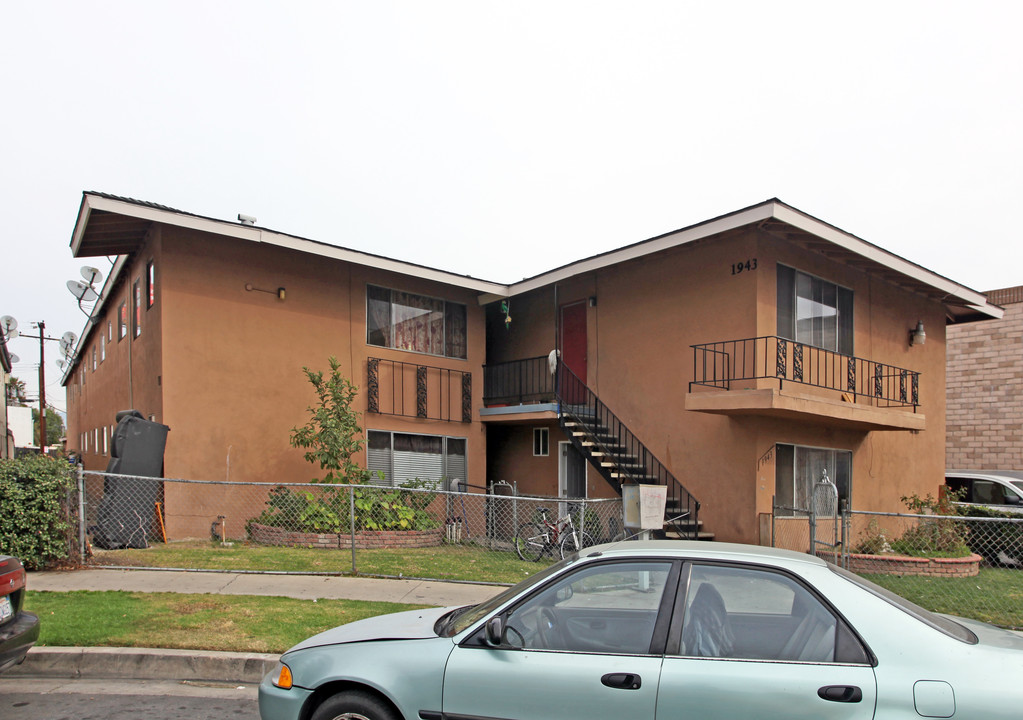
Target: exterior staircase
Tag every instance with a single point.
(615, 452)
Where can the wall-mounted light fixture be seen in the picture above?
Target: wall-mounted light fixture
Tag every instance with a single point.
(593, 301)
(917, 336)
(279, 292)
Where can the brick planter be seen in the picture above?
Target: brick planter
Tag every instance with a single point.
(364, 540)
(904, 565)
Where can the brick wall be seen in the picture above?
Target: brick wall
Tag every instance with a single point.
(984, 389)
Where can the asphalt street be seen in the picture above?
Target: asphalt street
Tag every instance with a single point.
(59, 699)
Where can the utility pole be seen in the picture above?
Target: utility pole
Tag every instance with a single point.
(42, 387)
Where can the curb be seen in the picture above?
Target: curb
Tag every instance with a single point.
(109, 663)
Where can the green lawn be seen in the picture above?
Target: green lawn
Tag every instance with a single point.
(994, 596)
(200, 622)
(445, 562)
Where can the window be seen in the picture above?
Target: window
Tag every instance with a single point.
(94, 358)
(603, 608)
(150, 285)
(110, 331)
(405, 321)
(397, 458)
(122, 321)
(814, 312)
(136, 327)
(541, 442)
(798, 469)
(106, 440)
(756, 614)
(102, 348)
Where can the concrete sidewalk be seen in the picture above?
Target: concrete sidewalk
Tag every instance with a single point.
(206, 666)
(304, 587)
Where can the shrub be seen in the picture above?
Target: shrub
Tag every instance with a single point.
(36, 523)
(930, 537)
(327, 511)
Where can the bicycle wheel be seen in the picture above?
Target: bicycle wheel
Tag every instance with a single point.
(530, 541)
(574, 542)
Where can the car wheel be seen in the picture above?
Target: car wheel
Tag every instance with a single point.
(354, 706)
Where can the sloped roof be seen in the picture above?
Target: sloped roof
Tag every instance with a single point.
(114, 225)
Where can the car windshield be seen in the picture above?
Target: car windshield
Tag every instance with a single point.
(457, 621)
(942, 624)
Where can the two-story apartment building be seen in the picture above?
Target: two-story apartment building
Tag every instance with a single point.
(734, 361)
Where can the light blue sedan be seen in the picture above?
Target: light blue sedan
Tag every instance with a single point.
(659, 630)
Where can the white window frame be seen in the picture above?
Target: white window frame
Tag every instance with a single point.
(541, 442)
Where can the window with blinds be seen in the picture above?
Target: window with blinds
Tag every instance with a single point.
(397, 458)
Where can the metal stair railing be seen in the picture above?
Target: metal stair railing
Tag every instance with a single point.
(603, 430)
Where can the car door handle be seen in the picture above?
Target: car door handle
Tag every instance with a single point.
(623, 681)
(840, 693)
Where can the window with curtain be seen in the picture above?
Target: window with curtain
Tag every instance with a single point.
(418, 323)
(814, 312)
(798, 469)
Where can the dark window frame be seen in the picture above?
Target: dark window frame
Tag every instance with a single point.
(788, 309)
(377, 335)
(150, 284)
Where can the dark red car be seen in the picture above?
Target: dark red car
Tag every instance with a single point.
(19, 630)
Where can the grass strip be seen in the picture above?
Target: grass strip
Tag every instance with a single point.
(447, 562)
(241, 623)
(994, 596)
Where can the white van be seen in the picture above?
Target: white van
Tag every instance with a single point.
(999, 489)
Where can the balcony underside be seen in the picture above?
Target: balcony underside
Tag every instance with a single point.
(784, 403)
(519, 414)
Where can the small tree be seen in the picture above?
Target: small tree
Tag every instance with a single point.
(332, 435)
(54, 426)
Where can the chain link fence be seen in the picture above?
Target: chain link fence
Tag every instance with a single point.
(955, 564)
(413, 530)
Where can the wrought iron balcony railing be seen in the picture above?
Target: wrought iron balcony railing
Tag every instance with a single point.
(519, 382)
(724, 364)
(421, 391)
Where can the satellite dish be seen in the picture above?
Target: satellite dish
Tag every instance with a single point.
(91, 275)
(83, 292)
(61, 364)
(65, 349)
(69, 337)
(15, 359)
(9, 326)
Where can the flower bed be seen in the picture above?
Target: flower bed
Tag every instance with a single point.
(968, 566)
(364, 539)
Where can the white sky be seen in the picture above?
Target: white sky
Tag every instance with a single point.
(503, 139)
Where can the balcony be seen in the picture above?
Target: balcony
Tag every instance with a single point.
(518, 391)
(776, 377)
(418, 391)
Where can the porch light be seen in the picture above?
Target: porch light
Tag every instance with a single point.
(917, 336)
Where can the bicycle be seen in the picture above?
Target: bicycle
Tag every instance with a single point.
(535, 539)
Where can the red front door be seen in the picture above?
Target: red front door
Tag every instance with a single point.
(573, 339)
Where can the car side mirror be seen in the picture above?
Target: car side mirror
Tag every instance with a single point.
(495, 631)
(1011, 498)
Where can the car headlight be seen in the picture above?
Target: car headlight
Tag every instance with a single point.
(282, 676)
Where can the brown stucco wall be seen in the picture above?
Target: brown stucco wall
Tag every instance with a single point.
(129, 376)
(234, 386)
(647, 315)
(222, 367)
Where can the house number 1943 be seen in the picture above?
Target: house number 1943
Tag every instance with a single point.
(739, 267)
